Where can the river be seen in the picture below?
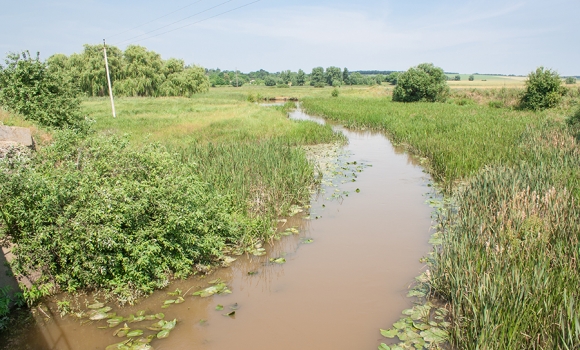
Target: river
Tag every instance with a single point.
(335, 292)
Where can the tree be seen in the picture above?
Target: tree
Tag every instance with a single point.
(346, 76)
(300, 78)
(392, 78)
(379, 78)
(45, 96)
(317, 76)
(285, 77)
(571, 80)
(333, 76)
(543, 90)
(471, 78)
(422, 83)
(457, 77)
(270, 81)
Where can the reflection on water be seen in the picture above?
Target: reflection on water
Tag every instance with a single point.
(332, 294)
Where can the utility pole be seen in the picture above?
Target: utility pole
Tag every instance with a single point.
(109, 79)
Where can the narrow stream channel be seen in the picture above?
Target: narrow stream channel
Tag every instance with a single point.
(334, 293)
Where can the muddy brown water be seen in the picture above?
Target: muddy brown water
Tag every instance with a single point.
(335, 293)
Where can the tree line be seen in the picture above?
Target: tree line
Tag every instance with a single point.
(318, 77)
(134, 72)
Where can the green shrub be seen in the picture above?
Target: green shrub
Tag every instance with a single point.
(543, 90)
(334, 92)
(319, 85)
(471, 78)
(47, 97)
(574, 119)
(457, 78)
(138, 217)
(422, 83)
(571, 80)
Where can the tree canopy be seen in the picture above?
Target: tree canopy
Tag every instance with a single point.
(424, 82)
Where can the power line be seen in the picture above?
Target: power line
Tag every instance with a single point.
(205, 19)
(153, 20)
(170, 24)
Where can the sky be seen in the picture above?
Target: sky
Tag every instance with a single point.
(469, 36)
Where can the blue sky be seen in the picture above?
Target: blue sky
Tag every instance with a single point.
(507, 37)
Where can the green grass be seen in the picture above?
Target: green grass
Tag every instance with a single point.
(458, 140)
(245, 150)
(508, 263)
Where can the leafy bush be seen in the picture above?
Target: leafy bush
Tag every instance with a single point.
(422, 83)
(574, 119)
(471, 78)
(571, 80)
(270, 81)
(47, 97)
(543, 90)
(457, 78)
(334, 92)
(138, 217)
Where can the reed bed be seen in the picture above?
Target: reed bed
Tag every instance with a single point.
(507, 266)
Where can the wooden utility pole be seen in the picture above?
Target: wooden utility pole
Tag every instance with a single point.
(109, 79)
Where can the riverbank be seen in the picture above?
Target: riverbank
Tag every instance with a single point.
(181, 201)
(507, 260)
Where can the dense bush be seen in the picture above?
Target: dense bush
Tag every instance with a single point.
(471, 78)
(543, 90)
(138, 217)
(29, 88)
(422, 83)
(571, 80)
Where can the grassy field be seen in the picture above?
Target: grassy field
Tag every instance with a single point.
(507, 266)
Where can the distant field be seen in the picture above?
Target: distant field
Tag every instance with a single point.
(486, 81)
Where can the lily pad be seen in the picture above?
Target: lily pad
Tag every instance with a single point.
(390, 333)
(220, 288)
(160, 315)
(279, 261)
(96, 306)
(170, 325)
(98, 316)
(163, 334)
(219, 307)
(135, 333)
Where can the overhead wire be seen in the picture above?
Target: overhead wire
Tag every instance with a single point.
(170, 24)
(153, 20)
(205, 19)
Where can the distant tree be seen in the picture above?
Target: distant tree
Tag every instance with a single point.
(392, 78)
(317, 76)
(346, 76)
(270, 81)
(300, 78)
(571, 80)
(422, 83)
(356, 78)
(543, 90)
(333, 75)
(471, 78)
(379, 78)
(285, 77)
(457, 77)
